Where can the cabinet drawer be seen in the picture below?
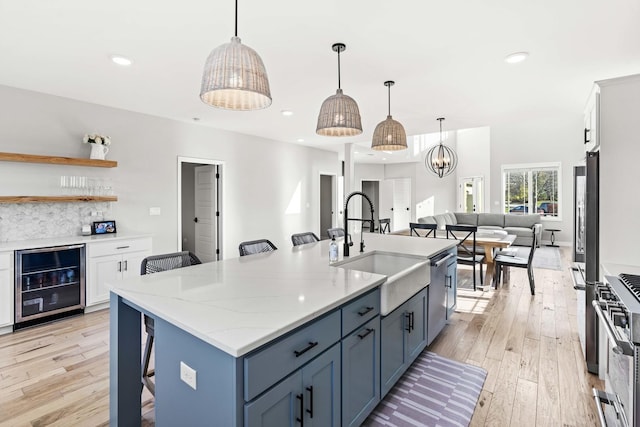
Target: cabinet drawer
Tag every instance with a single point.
(5, 260)
(118, 247)
(266, 367)
(360, 311)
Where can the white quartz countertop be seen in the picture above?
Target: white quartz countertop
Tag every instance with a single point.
(239, 304)
(611, 269)
(65, 240)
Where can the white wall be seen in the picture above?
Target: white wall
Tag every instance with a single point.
(537, 140)
(271, 188)
(474, 159)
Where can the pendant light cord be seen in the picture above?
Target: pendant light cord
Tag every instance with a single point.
(236, 18)
(440, 120)
(389, 87)
(338, 67)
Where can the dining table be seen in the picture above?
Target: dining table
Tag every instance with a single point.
(491, 242)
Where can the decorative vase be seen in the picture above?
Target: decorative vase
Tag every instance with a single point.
(98, 151)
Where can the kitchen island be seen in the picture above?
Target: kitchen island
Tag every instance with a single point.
(238, 341)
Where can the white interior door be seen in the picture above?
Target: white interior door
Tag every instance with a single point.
(471, 194)
(205, 209)
(401, 204)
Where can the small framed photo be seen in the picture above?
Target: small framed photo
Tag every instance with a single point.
(103, 227)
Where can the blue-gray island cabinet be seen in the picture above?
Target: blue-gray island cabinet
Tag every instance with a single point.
(272, 339)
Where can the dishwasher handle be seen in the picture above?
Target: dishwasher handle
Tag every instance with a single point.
(437, 262)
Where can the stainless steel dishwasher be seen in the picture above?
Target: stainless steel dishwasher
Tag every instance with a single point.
(438, 295)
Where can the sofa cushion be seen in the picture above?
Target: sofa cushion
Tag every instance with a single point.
(492, 219)
(450, 218)
(519, 231)
(441, 221)
(487, 230)
(521, 220)
(427, 220)
(466, 218)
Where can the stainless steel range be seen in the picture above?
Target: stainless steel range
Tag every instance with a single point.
(617, 306)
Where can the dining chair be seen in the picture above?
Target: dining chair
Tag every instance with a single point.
(256, 246)
(503, 260)
(384, 225)
(302, 238)
(157, 264)
(431, 229)
(467, 249)
(335, 232)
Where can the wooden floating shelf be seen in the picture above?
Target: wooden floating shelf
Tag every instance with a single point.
(56, 199)
(55, 160)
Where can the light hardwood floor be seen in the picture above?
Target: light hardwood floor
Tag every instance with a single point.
(58, 374)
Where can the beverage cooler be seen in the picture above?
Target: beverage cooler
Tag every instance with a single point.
(50, 282)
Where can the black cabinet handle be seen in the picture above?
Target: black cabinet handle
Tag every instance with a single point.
(364, 311)
(299, 353)
(367, 332)
(407, 325)
(586, 135)
(195, 219)
(300, 419)
(411, 318)
(119, 266)
(126, 265)
(408, 209)
(310, 410)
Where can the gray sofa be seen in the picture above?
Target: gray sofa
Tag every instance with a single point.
(488, 223)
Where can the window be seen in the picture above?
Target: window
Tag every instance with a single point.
(532, 188)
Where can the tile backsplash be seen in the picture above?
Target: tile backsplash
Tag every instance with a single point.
(26, 221)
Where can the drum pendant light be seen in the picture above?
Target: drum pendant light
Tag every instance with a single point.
(234, 77)
(389, 134)
(339, 114)
(441, 160)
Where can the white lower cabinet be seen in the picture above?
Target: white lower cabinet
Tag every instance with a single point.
(110, 262)
(6, 289)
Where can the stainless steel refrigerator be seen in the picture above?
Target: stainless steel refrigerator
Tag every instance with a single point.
(579, 207)
(592, 256)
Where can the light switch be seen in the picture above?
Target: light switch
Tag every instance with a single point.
(188, 375)
(154, 211)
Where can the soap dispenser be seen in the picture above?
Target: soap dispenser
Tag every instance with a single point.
(333, 250)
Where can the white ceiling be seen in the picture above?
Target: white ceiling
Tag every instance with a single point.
(446, 57)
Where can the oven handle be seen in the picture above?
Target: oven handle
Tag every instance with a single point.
(606, 398)
(620, 346)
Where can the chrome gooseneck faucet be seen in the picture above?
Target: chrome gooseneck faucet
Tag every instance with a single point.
(346, 222)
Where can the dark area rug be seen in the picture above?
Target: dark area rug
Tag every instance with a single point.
(434, 391)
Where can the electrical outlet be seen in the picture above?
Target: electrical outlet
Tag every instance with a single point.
(188, 375)
(154, 211)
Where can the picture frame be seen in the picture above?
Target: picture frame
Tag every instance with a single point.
(103, 227)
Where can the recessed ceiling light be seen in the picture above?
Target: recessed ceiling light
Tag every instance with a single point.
(356, 152)
(514, 58)
(121, 60)
(300, 140)
(196, 119)
(384, 158)
(287, 113)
